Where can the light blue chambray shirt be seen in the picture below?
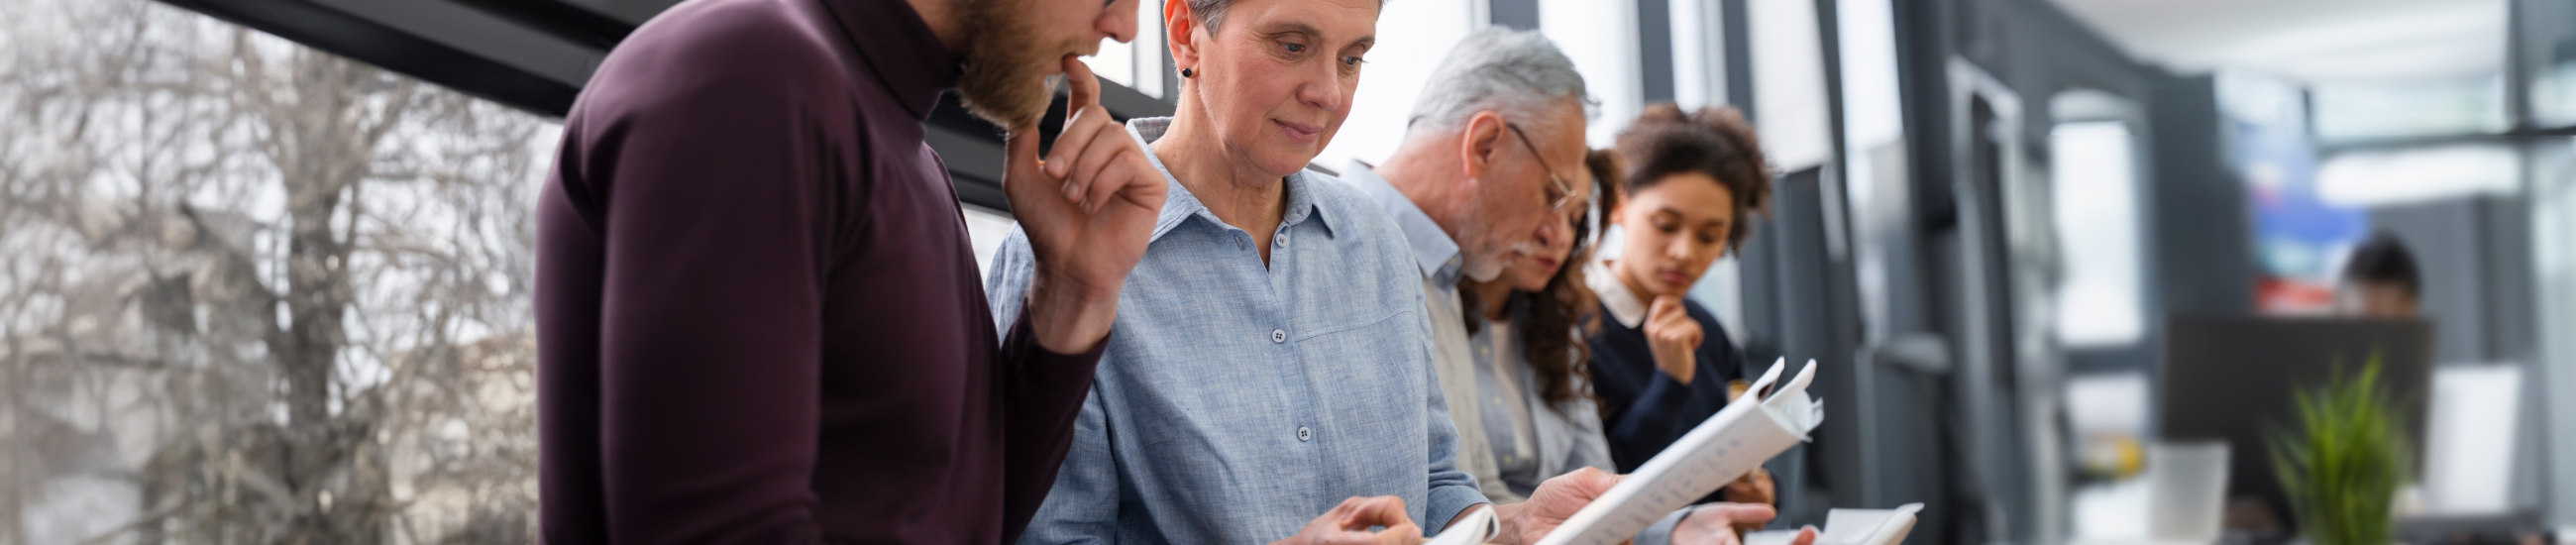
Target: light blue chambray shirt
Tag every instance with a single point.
(1432, 248)
(1235, 403)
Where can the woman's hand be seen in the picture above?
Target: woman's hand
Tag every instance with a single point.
(1673, 336)
(1348, 524)
(1753, 488)
(1715, 524)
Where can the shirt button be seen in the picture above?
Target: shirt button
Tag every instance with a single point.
(1281, 241)
(1305, 434)
(1278, 335)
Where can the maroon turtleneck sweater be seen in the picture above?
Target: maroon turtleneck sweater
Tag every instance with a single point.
(759, 318)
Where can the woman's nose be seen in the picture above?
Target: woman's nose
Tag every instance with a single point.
(1324, 90)
(1552, 234)
(1682, 249)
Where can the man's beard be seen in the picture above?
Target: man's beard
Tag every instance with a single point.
(1005, 60)
(1482, 254)
(1485, 266)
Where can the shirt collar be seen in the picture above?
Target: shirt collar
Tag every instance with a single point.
(1179, 205)
(900, 49)
(1433, 250)
(1623, 304)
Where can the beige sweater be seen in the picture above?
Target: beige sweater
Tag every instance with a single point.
(1456, 366)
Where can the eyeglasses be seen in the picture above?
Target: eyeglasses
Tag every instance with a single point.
(1560, 194)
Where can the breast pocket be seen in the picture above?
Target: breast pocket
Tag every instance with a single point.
(1372, 375)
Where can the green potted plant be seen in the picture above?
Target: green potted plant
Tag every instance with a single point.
(2344, 466)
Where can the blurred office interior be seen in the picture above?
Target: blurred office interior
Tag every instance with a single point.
(1992, 217)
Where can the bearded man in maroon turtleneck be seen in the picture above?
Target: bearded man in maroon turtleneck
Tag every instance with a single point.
(759, 317)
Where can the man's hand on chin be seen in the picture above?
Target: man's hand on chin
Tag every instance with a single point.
(1088, 209)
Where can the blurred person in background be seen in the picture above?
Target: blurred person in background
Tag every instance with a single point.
(1662, 363)
(1272, 358)
(2380, 280)
(758, 320)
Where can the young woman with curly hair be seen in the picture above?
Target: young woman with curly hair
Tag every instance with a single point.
(1661, 364)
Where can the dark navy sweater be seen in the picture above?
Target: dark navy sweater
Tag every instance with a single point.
(1645, 409)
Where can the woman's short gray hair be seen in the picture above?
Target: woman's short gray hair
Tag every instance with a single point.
(1212, 12)
(1518, 73)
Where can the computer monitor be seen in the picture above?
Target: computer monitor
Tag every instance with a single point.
(2232, 379)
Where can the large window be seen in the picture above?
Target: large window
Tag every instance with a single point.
(1137, 64)
(1873, 146)
(1789, 99)
(253, 292)
(1601, 38)
(1396, 70)
(1699, 54)
(2553, 246)
(2101, 296)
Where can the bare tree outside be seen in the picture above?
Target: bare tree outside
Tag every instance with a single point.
(251, 292)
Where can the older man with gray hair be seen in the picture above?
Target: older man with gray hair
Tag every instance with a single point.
(1490, 165)
(1494, 148)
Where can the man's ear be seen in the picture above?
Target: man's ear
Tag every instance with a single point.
(1480, 143)
(1180, 28)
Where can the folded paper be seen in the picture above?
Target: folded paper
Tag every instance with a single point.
(1750, 430)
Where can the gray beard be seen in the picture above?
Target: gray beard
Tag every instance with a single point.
(1481, 270)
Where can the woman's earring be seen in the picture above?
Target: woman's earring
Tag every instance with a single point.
(1185, 72)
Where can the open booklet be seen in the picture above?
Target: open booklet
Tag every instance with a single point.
(1753, 428)
(1477, 528)
(1851, 527)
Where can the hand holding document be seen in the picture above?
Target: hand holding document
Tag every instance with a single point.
(1724, 523)
(1479, 527)
(1852, 527)
(1737, 439)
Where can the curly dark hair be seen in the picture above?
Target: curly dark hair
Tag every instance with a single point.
(1563, 306)
(1665, 140)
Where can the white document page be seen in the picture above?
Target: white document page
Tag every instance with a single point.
(1478, 528)
(1739, 438)
(1851, 527)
